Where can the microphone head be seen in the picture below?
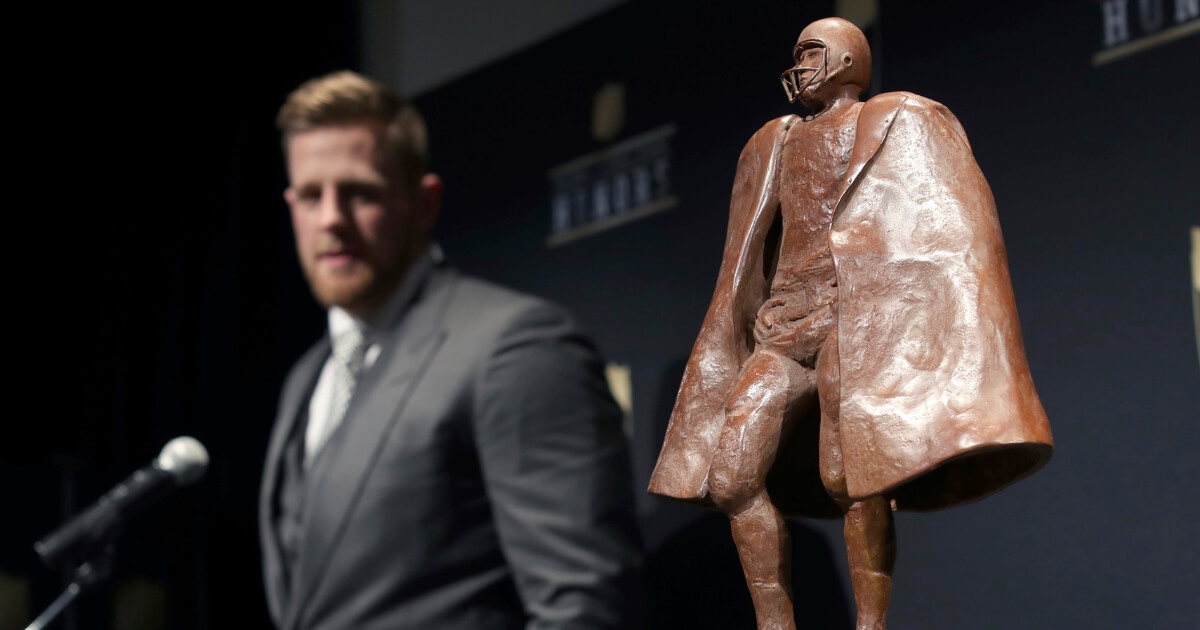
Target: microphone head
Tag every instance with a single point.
(184, 458)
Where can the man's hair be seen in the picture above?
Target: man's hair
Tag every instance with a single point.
(346, 98)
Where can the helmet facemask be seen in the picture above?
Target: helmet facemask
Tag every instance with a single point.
(793, 79)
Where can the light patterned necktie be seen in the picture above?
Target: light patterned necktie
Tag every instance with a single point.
(349, 349)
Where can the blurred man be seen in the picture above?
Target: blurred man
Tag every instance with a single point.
(448, 456)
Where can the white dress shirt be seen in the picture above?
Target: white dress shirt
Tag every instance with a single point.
(340, 321)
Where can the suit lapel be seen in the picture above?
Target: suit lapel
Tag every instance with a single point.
(296, 393)
(377, 405)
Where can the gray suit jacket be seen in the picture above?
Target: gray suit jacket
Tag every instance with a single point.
(479, 480)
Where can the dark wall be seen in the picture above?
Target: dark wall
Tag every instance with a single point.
(164, 297)
(1093, 170)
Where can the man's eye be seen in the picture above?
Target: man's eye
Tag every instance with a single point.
(362, 194)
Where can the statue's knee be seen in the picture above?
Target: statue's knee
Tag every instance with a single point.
(730, 494)
(743, 401)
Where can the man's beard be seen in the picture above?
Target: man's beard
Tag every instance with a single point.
(362, 287)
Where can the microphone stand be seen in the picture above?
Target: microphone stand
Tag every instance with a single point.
(88, 575)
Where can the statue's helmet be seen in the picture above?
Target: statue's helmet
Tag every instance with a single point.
(838, 54)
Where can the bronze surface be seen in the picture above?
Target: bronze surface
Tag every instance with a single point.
(865, 354)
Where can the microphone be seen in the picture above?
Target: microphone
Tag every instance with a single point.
(181, 462)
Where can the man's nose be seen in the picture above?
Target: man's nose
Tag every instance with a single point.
(332, 210)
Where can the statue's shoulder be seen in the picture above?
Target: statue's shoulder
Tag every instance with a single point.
(881, 109)
(775, 127)
(895, 100)
(763, 142)
(880, 112)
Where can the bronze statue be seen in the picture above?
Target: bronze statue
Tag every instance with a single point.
(862, 352)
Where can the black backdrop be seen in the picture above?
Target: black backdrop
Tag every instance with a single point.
(175, 304)
(160, 295)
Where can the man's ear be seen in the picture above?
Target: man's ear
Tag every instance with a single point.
(429, 195)
(289, 196)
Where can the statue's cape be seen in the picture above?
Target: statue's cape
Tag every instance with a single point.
(937, 404)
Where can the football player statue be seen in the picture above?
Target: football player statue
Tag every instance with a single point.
(862, 352)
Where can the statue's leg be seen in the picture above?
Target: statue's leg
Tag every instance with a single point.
(768, 387)
(871, 551)
(869, 529)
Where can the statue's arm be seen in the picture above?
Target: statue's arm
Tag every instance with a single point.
(725, 337)
(753, 207)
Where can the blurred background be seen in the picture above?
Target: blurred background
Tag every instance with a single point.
(588, 149)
